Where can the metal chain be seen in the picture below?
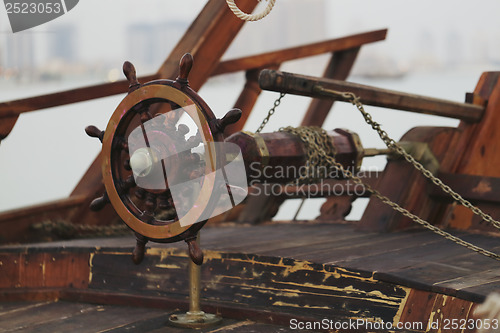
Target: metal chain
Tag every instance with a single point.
(319, 150)
(319, 140)
(270, 113)
(393, 145)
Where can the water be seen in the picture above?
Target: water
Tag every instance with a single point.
(48, 151)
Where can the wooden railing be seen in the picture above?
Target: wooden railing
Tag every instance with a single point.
(207, 47)
(204, 41)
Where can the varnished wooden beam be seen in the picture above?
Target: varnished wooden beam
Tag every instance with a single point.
(16, 107)
(207, 39)
(472, 187)
(338, 68)
(310, 86)
(278, 57)
(247, 99)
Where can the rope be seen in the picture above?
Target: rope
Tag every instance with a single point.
(69, 230)
(247, 17)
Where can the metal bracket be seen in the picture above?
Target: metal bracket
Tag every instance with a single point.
(420, 152)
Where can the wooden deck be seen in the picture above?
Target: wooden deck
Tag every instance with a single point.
(412, 258)
(61, 316)
(253, 275)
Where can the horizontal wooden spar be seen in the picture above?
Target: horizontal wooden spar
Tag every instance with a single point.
(16, 107)
(309, 50)
(315, 87)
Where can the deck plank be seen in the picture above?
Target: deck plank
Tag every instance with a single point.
(40, 314)
(77, 318)
(405, 257)
(12, 307)
(81, 318)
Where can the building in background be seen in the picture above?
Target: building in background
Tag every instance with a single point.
(148, 44)
(62, 40)
(18, 58)
(291, 23)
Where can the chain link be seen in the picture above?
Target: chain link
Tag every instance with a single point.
(393, 145)
(319, 148)
(270, 113)
(321, 152)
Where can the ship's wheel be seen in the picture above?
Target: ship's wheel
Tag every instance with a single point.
(162, 136)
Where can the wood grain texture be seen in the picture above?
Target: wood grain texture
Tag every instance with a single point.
(44, 270)
(306, 86)
(278, 57)
(338, 68)
(17, 223)
(256, 281)
(405, 185)
(313, 271)
(481, 152)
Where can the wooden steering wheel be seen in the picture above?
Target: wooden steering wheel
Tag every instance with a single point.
(160, 135)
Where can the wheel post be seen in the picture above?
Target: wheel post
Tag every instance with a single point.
(194, 318)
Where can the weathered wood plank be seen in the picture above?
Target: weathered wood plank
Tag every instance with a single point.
(415, 259)
(472, 280)
(83, 318)
(36, 270)
(308, 86)
(465, 138)
(259, 282)
(155, 321)
(472, 187)
(418, 307)
(371, 244)
(12, 307)
(42, 313)
(307, 249)
(447, 308)
(16, 107)
(226, 310)
(406, 186)
(389, 257)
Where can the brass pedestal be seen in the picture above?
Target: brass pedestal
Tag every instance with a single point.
(194, 318)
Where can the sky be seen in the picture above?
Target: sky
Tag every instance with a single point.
(444, 44)
(416, 27)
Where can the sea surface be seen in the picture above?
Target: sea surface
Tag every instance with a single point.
(48, 151)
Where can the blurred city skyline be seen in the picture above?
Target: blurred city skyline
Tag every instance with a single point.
(98, 36)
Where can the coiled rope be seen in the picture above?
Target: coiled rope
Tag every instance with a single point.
(250, 17)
